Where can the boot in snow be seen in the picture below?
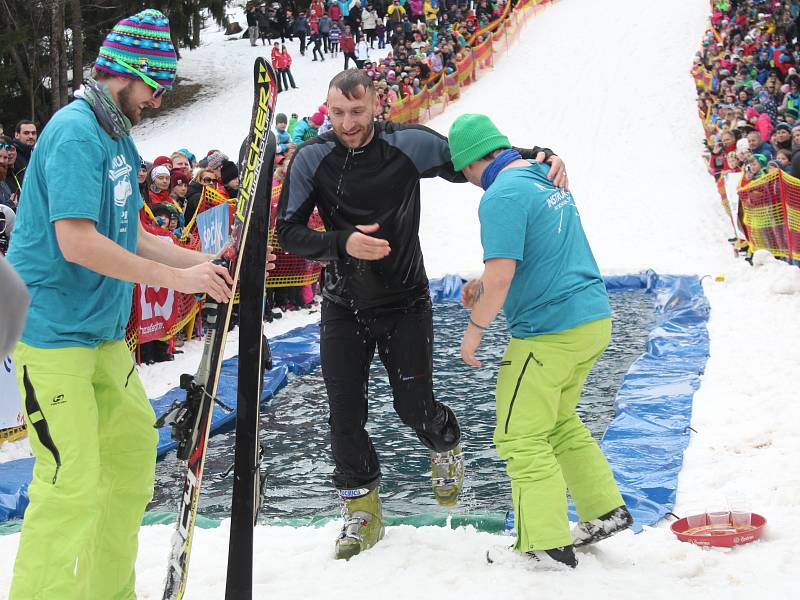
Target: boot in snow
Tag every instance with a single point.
(363, 525)
(555, 559)
(447, 473)
(590, 532)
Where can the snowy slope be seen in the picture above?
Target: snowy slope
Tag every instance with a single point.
(606, 85)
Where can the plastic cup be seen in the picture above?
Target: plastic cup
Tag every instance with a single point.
(741, 518)
(719, 518)
(696, 517)
(741, 514)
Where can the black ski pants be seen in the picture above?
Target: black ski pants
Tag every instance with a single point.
(404, 338)
(347, 57)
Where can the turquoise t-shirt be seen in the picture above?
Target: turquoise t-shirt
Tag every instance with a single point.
(557, 285)
(76, 171)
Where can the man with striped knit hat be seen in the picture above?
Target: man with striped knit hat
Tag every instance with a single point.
(79, 247)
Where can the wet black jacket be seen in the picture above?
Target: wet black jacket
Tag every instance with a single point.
(378, 183)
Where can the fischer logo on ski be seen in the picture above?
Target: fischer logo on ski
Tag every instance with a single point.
(191, 418)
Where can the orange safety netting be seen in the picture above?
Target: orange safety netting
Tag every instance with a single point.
(443, 87)
(208, 199)
(290, 269)
(771, 208)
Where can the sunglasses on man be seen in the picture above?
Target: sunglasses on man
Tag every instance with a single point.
(7, 147)
(158, 89)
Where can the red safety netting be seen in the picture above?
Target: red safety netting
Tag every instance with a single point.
(771, 209)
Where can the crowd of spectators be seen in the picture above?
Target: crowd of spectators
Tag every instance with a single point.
(14, 156)
(750, 94)
(426, 37)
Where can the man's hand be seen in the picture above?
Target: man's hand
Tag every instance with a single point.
(469, 344)
(558, 171)
(471, 291)
(270, 259)
(362, 245)
(208, 278)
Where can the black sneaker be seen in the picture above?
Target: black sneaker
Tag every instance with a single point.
(590, 532)
(564, 555)
(555, 559)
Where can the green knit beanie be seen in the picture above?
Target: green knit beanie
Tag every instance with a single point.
(472, 137)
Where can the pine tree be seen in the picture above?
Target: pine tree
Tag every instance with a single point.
(41, 40)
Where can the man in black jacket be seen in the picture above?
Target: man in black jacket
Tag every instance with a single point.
(364, 177)
(25, 135)
(252, 25)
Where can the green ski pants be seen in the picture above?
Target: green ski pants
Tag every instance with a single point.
(547, 447)
(91, 429)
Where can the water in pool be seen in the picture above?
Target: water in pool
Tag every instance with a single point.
(295, 429)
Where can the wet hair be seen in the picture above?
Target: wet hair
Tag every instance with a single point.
(350, 80)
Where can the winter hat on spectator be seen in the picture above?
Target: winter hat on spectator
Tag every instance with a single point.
(143, 42)
(187, 154)
(317, 119)
(215, 160)
(281, 118)
(472, 137)
(178, 177)
(323, 110)
(159, 170)
(228, 171)
(162, 160)
(784, 126)
(163, 209)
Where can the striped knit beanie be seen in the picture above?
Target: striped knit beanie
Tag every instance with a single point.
(143, 41)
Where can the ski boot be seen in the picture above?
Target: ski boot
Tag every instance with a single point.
(594, 530)
(447, 475)
(554, 559)
(363, 525)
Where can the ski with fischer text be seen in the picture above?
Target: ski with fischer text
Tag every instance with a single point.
(191, 418)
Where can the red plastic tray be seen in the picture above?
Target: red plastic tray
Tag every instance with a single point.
(709, 535)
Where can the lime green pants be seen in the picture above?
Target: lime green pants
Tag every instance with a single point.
(91, 429)
(547, 447)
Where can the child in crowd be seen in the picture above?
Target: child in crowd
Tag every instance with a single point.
(755, 167)
(380, 32)
(179, 187)
(335, 38)
(286, 69)
(784, 159)
(277, 62)
(316, 39)
(159, 189)
(283, 139)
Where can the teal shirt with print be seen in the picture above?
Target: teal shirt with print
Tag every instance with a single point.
(76, 171)
(557, 284)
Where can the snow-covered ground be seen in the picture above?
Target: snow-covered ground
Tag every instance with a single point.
(606, 85)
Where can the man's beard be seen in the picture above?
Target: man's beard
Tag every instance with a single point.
(365, 136)
(128, 107)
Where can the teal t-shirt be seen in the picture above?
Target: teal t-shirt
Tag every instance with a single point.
(76, 171)
(557, 284)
